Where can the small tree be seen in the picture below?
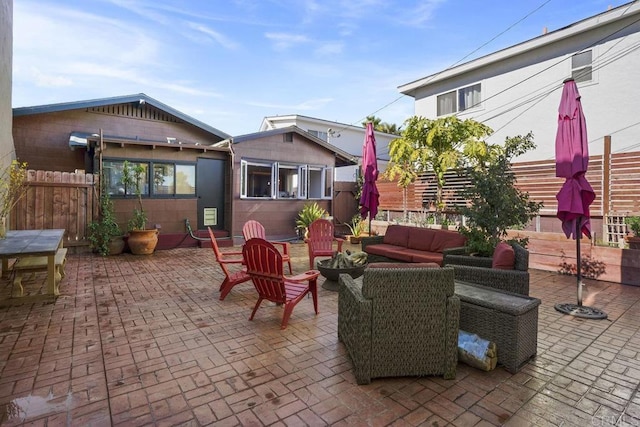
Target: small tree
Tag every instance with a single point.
(436, 146)
(496, 204)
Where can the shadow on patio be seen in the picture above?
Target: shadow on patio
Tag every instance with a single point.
(144, 340)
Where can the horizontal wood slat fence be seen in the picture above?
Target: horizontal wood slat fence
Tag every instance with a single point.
(58, 200)
(538, 178)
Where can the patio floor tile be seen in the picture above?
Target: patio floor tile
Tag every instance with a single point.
(144, 340)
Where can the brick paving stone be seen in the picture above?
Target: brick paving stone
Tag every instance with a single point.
(146, 341)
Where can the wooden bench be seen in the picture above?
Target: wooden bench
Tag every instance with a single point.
(508, 319)
(37, 263)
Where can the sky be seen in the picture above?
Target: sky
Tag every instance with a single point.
(230, 63)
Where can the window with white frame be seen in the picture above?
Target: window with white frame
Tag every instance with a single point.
(293, 181)
(581, 66)
(318, 134)
(459, 100)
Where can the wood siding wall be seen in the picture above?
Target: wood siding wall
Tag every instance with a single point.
(58, 200)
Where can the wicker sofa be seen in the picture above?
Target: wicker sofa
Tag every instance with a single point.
(478, 270)
(403, 243)
(400, 320)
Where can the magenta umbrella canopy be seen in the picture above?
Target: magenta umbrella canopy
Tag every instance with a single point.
(572, 159)
(370, 195)
(576, 194)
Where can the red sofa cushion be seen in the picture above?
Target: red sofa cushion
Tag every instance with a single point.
(424, 256)
(390, 251)
(504, 257)
(421, 238)
(403, 265)
(396, 235)
(444, 239)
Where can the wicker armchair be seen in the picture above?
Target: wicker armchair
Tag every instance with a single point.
(400, 321)
(477, 270)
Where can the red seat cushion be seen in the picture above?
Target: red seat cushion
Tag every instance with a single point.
(504, 257)
(403, 265)
(390, 251)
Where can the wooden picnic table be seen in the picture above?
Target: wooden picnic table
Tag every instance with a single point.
(30, 243)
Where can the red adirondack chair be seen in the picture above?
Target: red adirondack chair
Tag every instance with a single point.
(232, 278)
(252, 229)
(264, 265)
(320, 240)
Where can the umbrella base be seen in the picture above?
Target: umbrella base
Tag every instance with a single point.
(581, 311)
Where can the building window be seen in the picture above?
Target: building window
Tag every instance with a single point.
(318, 134)
(581, 66)
(447, 103)
(469, 97)
(459, 100)
(293, 181)
(169, 179)
(287, 137)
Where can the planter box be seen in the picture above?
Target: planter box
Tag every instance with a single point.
(546, 252)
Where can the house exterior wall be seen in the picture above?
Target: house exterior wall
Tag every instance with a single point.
(6, 55)
(39, 138)
(277, 216)
(42, 140)
(350, 139)
(168, 214)
(521, 93)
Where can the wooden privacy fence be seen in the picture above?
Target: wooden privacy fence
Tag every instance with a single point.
(58, 200)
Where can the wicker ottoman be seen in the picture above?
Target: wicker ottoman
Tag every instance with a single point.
(510, 320)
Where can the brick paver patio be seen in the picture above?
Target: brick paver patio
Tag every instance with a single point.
(144, 340)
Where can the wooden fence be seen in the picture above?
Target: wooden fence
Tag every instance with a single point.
(58, 200)
(615, 183)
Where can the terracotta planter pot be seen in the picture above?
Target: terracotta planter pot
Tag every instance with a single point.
(142, 242)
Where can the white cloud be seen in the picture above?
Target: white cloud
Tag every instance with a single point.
(421, 14)
(332, 48)
(284, 41)
(219, 38)
(311, 104)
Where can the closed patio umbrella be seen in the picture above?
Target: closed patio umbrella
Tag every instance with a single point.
(370, 195)
(576, 194)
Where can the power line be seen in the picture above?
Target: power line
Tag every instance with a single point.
(457, 62)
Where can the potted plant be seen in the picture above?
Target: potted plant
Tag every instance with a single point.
(309, 213)
(141, 241)
(105, 235)
(633, 223)
(356, 227)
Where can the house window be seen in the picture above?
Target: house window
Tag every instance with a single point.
(447, 103)
(292, 181)
(318, 134)
(581, 66)
(287, 137)
(169, 179)
(256, 180)
(469, 97)
(459, 100)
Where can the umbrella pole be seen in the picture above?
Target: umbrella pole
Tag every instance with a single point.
(579, 262)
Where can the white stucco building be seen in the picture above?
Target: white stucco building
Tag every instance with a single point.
(6, 49)
(345, 137)
(518, 89)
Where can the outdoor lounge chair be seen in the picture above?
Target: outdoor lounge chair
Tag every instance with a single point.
(320, 240)
(400, 321)
(231, 278)
(478, 270)
(264, 265)
(252, 229)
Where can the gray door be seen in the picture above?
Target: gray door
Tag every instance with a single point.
(210, 184)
